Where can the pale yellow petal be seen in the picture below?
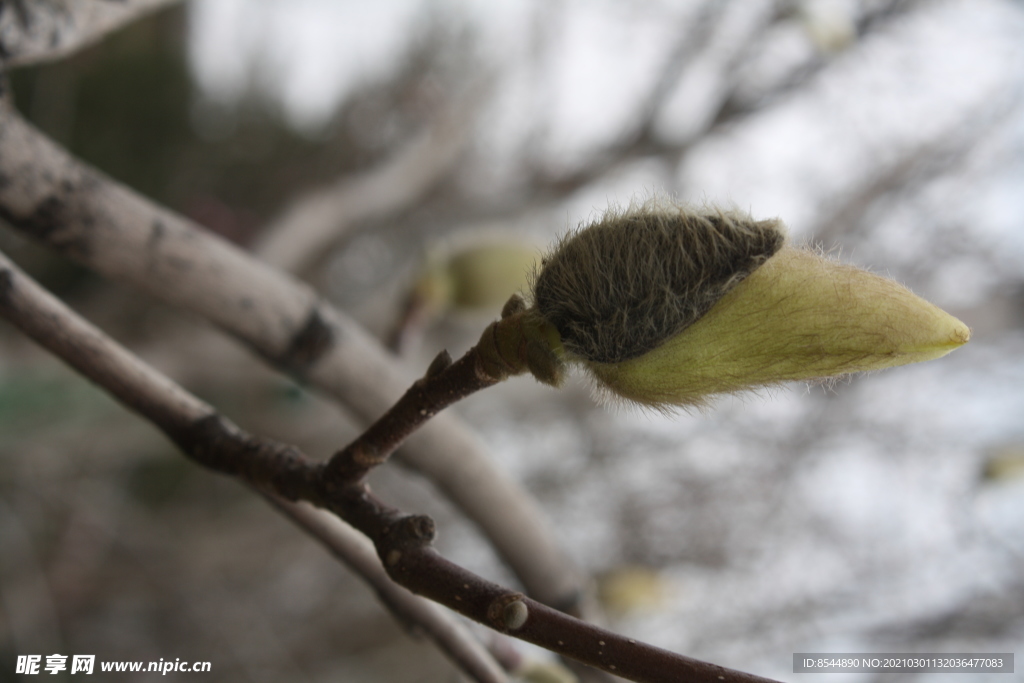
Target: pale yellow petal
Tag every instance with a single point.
(797, 317)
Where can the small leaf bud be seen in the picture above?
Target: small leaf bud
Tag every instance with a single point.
(515, 615)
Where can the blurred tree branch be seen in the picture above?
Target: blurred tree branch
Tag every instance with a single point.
(915, 167)
(317, 221)
(38, 31)
(732, 107)
(547, 184)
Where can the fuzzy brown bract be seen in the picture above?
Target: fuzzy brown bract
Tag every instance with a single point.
(618, 288)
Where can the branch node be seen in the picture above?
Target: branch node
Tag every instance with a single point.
(520, 342)
(365, 454)
(494, 362)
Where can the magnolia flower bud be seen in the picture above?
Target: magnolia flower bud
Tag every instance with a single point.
(633, 588)
(476, 277)
(470, 279)
(665, 306)
(544, 671)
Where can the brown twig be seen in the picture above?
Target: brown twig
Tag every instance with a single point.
(444, 384)
(402, 541)
(505, 349)
(276, 469)
(52, 197)
(194, 426)
(417, 614)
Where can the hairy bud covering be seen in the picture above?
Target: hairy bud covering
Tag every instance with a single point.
(620, 287)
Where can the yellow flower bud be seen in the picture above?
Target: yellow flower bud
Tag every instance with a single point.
(667, 306)
(797, 317)
(544, 671)
(470, 279)
(476, 277)
(1005, 463)
(633, 588)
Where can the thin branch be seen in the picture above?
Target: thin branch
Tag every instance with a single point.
(215, 442)
(503, 351)
(418, 615)
(544, 185)
(193, 425)
(444, 384)
(52, 197)
(917, 165)
(45, 30)
(402, 541)
(695, 38)
(737, 105)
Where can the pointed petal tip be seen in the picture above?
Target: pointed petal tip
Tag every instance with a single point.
(951, 335)
(961, 334)
(956, 333)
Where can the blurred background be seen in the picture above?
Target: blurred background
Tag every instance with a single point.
(407, 158)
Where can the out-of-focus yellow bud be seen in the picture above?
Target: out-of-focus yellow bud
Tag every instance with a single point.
(797, 317)
(537, 671)
(477, 277)
(666, 306)
(829, 25)
(1004, 464)
(472, 278)
(632, 588)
